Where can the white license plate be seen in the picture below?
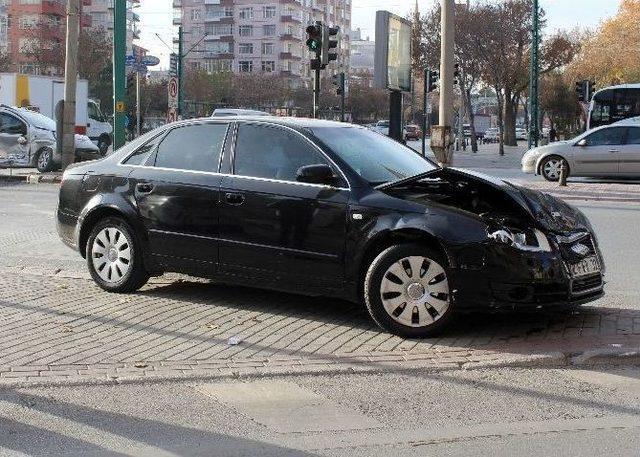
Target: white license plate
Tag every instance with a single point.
(585, 267)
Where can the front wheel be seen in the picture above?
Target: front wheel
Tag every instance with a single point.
(551, 166)
(103, 145)
(45, 160)
(407, 291)
(114, 257)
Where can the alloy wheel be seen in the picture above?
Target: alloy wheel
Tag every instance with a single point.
(415, 291)
(111, 254)
(43, 159)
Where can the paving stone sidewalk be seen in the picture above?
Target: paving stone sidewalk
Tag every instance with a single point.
(58, 330)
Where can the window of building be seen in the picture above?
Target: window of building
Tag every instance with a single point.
(268, 48)
(218, 29)
(269, 30)
(218, 65)
(28, 21)
(268, 12)
(194, 147)
(245, 30)
(245, 66)
(245, 48)
(268, 66)
(195, 14)
(246, 13)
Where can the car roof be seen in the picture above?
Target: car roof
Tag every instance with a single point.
(631, 121)
(296, 122)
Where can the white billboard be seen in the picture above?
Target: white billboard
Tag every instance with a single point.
(393, 52)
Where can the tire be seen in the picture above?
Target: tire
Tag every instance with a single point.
(550, 168)
(423, 306)
(103, 146)
(114, 257)
(44, 160)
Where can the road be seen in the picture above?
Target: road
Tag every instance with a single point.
(501, 412)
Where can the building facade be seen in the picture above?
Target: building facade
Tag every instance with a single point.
(363, 51)
(36, 25)
(258, 36)
(101, 12)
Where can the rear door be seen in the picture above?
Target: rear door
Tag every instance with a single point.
(629, 163)
(600, 155)
(177, 195)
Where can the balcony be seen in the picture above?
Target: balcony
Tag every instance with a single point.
(289, 56)
(177, 4)
(290, 37)
(53, 7)
(219, 18)
(217, 55)
(295, 18)
(284, 2)
(211, 2)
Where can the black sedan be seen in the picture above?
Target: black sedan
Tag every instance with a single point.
(324, 208)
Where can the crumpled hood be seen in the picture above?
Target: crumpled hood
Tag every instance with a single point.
(548, 212)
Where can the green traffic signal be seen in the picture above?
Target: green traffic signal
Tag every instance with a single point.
(314, 43)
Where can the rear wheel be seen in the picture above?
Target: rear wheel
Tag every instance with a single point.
(551, 166)
(407, 291)
(114, 257)
(44, 161)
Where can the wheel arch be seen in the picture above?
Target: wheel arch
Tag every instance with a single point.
(548, 155)
(94, 216)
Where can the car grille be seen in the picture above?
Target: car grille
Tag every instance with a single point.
(587, 284)
(579, 249)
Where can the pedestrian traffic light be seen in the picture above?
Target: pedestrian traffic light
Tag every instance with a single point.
(338, 80)
(456, 74)
(314, 43)
(432, 80)
(582, 90)
(591, 90)
(329, 45)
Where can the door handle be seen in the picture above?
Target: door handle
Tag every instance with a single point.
(144, 187)
(614, 150)
(234, 198)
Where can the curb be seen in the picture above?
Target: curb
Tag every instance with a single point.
(238, 370)
(33, 178)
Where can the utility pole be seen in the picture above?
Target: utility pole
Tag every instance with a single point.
(119, 75)
(442, 135)
(137, 103)
(534, 79)
(180, 72)
(70, 82)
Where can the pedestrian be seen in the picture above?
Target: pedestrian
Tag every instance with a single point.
(552, 135)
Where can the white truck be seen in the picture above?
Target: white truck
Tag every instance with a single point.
(42, 94)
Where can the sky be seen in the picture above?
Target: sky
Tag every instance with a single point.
(157, 16)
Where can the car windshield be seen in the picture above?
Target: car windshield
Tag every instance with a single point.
(38, 120)
(376, 158)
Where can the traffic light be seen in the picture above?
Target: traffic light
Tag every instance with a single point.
(432, 80)
(314, 43)
(591, 90)
(456, 74)
(329, 45)
(338, 80)
(582, 90)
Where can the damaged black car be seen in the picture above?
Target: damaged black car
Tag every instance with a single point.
(328, 209)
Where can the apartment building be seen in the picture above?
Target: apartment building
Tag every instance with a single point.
(101, 12)
(35, 23)
(258, 36)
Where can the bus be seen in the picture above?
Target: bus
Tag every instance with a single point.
(613, 104)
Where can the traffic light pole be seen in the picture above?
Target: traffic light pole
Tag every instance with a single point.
(342, 95)
(119, 76)
(425, 104)
(316, 93)
(534, 80)
(137, 103)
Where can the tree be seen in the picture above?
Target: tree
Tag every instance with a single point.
(558, 101)
(5, 62)
(610, 54)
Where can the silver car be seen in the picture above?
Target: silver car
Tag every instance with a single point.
(608, 151)
(28, 139)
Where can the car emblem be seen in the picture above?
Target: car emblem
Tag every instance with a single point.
(556, 214)
(580, 249)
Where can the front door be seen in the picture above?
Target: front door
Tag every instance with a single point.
(177, 196)
(273, 227)
(629, 163)
(12, 152)
(600, 155)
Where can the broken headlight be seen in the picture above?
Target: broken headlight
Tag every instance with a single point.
(533, 240)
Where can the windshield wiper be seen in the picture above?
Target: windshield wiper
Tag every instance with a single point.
(408, 180)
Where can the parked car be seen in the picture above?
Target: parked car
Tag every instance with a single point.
(492, 135)
(521, 134)
(413, 132)
(325, 208)
(225, 112)
(28, 139)
(607, 151)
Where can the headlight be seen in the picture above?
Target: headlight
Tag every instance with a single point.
(535, 241)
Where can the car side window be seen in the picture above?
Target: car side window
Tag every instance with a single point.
(193, 147)
(11, 125)
(264, 151)
(143, 152)
(633, 135)
(606, 137)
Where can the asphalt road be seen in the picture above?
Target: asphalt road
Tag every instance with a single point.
(510, 412)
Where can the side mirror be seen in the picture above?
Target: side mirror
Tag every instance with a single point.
(316, 174)
(22, 140)
(582, 143)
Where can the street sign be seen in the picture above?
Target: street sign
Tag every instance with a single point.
(141, 68)
(120, 107)
(150, 61)
(130, 60)
(172, 115)
(173, 65)
(173, 93)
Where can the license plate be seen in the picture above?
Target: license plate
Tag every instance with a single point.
(585, 267)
